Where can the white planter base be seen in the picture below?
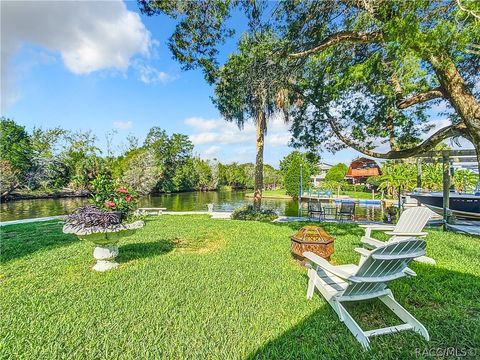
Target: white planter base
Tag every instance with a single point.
(103, 265)
(105, 256)
(105, 240)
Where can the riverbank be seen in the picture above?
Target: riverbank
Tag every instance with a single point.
(350, 195)
(38, 195)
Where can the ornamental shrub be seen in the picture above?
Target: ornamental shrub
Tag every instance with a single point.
(90, 216)
(249, 213)
(111, 196)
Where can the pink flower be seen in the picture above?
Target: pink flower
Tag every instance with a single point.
(122, 190)
(128, 198)
(110, 203)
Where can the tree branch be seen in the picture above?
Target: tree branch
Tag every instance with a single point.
(342, 36)
(403, 103)
(420, 98)
(428, 144)
(468, 11)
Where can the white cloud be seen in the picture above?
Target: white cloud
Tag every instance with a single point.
(219, 131)
(123, 125)
(278, 139)
(150, 75)
(201, 124)
(211, 152)
(88, 35)
(238, 145)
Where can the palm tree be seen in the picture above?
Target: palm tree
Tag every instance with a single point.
(251, 86)
(397, 176)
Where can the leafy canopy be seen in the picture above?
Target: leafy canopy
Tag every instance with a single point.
(337, 173)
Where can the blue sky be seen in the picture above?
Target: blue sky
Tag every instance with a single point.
(104, 67)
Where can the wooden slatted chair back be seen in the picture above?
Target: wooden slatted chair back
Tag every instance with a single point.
(413, 220)
(384, 264)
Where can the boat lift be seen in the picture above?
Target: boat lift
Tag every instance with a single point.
(466, 158)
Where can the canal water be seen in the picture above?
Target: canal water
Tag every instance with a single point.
(189, 201)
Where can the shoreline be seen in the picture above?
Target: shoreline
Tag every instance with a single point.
(279, 197)
(17, 196)
(44, 196)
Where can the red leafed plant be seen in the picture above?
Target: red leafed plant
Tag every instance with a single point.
(110, 196)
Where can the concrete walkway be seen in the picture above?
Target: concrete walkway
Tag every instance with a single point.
(283, 219)
(214, 215)
(24, 221)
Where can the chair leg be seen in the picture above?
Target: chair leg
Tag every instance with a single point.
(311, 283)
(352, 325)
(403, 314)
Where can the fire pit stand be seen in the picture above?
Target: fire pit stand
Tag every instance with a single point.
(314, 239)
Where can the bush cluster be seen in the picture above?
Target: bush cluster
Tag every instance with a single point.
(110, 196)
(249, 213)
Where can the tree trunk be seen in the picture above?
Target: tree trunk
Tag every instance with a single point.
(458, 94)
(260, 134)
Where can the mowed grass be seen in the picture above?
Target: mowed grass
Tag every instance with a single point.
(274, 194)
(189, 287)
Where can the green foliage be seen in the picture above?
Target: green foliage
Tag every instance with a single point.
(432, 176)
(272, 178)
(363, 82)
(374, 181)
(207, 173)
(15, 145)
(337, 173)
(465, 180)
(140, 171)
(250, 213)
(250, 82)
(406, 47)
(397, 176)
(290, 167)
(404, 175)
(236, 276)
(9, 178)
(111, 196)
(242, 176)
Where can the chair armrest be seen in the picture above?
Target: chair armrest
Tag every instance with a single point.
(370, 227)
(372, 242)
(325, 265)
(362, 251)
(377, 226)
(395, 233)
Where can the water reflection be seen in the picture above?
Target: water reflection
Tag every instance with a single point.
(222, 200)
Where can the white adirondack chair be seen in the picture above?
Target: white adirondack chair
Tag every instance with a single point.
(339, 284)
(411, 223)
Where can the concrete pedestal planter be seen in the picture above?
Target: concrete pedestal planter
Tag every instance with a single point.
(106, 240)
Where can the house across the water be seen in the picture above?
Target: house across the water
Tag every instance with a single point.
(361, 169)
(318, 178)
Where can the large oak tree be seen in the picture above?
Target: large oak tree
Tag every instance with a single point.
(370, 70)
(373, 69)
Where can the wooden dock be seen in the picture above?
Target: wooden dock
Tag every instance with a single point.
(469, 227)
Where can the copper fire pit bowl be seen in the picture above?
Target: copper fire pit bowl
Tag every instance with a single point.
(314, 239)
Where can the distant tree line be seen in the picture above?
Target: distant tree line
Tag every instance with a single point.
(58, 159)
(401, 175)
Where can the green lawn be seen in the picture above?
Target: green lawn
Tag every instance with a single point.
(360, 194)
(276, 194)
(196, 288)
